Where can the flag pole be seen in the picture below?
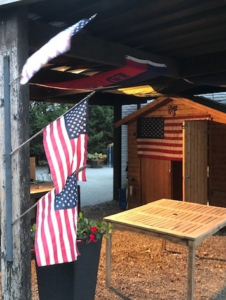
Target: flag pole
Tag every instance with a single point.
(15, 79)
(33, 206)
(31, 138)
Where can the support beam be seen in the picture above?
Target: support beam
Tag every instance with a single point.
(98, 98)
(8, 165)
(205, 64)
(16, 280)
(117, 151)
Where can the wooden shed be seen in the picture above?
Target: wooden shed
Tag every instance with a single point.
(177, 150)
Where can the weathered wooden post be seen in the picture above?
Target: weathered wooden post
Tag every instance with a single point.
(14, 49)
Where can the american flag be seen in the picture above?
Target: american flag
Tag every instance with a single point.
(56, 46)
(65, 144)
(56, 226)
(162, 138)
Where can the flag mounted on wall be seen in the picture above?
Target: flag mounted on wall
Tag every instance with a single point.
(65, 144)
(56, 46)
(162, 138)
(56, 226)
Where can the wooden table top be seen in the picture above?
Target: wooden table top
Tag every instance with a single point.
(179, 219)
(41, 187)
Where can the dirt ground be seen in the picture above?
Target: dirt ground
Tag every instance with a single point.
(141, 270)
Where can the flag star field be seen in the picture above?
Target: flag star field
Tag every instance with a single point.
(68, 197)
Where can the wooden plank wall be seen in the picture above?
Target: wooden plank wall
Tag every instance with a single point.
(156, 179)
(217, 160)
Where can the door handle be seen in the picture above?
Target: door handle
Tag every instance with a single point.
(187, 177)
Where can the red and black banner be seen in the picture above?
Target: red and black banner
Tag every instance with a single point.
(135, 71)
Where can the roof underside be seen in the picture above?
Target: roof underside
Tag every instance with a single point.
(188, 36)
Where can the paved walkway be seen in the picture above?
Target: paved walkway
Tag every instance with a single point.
(98, 187)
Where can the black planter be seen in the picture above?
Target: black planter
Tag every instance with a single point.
(85, 271)
(56, 282)
(71, 281)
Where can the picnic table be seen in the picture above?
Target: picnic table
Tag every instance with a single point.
(183, 223)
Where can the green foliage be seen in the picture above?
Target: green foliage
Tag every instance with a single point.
(87, 230)
(97, 156)
(100, 128)
(32, 231)
(42, 114)
(92, 230)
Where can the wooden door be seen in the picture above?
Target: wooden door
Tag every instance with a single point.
(195, 163)
(156, 179)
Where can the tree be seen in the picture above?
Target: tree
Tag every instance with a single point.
(100, 128)
(42, 114)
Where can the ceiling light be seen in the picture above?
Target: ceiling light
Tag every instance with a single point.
(77, 71)
(61, 69)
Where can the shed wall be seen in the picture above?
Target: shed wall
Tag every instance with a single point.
(216, 153)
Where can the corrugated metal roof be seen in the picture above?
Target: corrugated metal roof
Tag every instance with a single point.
(219, 97)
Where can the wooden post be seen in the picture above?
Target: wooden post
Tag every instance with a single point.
(108, 261)
(14, 44)
(117, 151)
(191, 271)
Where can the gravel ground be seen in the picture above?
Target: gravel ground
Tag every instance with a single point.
(141, 270)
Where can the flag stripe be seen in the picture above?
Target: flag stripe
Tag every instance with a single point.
(55, 239)
(171, 147)
(65, 154)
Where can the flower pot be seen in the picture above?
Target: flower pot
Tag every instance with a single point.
(71, 281)
(94, 163)
(85, 270)
(56, 282)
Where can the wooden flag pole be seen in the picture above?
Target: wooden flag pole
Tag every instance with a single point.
(27, 141)
(33, 206)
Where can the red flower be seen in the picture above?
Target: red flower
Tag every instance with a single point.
(93, 229)
(92, 238)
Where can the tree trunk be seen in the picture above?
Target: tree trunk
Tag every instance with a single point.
(16, 274)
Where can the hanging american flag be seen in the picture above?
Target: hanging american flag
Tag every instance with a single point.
(65, 144)
(56, 226)
(162, 138)
(56, 46)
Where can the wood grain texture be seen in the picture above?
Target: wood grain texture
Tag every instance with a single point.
(183, 220)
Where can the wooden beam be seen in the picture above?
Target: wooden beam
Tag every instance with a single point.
(143, 111)
(99, 98)
(87, 47)
(117, 150)
(205, 64)
(16, 276)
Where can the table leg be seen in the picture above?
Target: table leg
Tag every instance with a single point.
(191, 271)
(108, 261)
(163, 245)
